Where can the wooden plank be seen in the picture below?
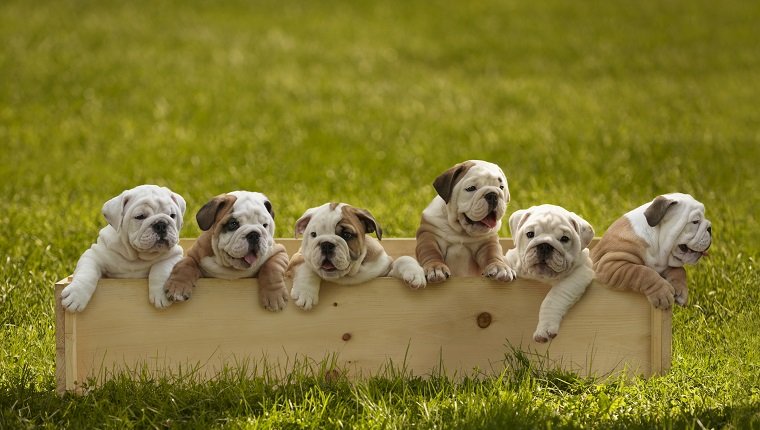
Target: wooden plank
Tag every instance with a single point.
(364, 327)
(60, 339)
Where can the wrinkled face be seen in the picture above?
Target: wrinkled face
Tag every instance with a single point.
(334, 238)
(692, 232)
(244, 231)
(549, 240)
(480, 199)
(148, 217)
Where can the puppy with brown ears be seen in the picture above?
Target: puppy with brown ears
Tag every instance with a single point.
(335, 248)
(237, 242)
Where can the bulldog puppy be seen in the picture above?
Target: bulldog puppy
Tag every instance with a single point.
(459, 231)
(140, 240)
(336, 249)
(646, 249)
(551, 246)
(237, 242)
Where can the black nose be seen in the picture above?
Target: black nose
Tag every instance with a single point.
(159, 227)
(253, 238)
(709, 230)
(492, 198)
(544, 250)
(327, 247)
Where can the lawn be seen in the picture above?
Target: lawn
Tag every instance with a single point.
(595, 106)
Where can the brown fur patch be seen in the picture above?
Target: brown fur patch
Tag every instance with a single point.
(352, 223)
(445, 182)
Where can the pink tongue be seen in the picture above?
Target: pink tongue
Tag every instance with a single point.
(249, 258)
(490, 220)
(328, 265)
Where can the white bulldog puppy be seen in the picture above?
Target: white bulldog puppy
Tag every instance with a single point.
(646, 249)
(237, 242)
(551, 246)
(459, 230)
(335, 248)
(140, 240)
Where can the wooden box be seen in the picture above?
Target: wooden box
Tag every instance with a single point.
(465, 326)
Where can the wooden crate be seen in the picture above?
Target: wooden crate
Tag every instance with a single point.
(462, 327)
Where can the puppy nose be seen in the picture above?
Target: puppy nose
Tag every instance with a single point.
(544, 250)
(159, 227)
(492, 198)
(326, 247)
(709, 230)
(253, 238)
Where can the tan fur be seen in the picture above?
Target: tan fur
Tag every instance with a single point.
(271, 275)
(428, 252)
(618, 260)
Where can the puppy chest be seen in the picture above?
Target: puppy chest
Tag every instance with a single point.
(460, 260)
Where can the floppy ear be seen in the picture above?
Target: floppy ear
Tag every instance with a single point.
(207, 215)
(657, 210)
(444, 184)
(303, 222)
(370, 224)
(269, 207)
(181, 205)
(113, 210)
(516, 220)
(583, 228)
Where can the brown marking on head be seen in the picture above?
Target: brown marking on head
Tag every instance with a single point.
(214, 210)
(657, 210)
(359, 222)
(444, 184)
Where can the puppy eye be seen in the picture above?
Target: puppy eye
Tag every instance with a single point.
(232, 225)
(313, 234)
(347, 235)
(140, 217)
(471, 188)
(530, 234)
(564, 239)
(173, 216)
(695, 222)
(265, 225)
(501, 187)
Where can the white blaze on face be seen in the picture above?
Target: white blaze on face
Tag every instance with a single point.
(247, 232)
(479, 199)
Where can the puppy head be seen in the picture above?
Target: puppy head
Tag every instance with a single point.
(147, 217)
(476, 196)
(334, 242)
(549, 239)
(682, 227)
(242, 228)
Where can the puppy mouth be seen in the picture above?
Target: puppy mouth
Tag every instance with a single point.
(489, 221)
(328, 266)
(250, 259)
(686, 250)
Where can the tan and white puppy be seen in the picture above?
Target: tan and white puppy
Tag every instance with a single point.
(335, 248)
(237, 242)
(551, 246)
(646, 249)
(140, 240)
(459, 231)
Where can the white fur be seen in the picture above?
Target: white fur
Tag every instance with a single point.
(129, 247)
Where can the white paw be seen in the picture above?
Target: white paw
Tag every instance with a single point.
(274, 300)
(499, 272)
(545, 331)
(158, 299)
(414, 278)
(304, 298)
(74, 298)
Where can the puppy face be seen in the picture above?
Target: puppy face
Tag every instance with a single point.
(242, 226)
(476, 193)
(334, 244)
(549, 239)
(148, 217)
(683, 227)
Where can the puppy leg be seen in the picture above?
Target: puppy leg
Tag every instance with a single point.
(557, 302)
(273, 294)
(430, 258)
(408, 270)
(677, 278)
(179, 286)
(305, 289)
(157, 278)
(623, 270)
(77, 294)
(490, 258)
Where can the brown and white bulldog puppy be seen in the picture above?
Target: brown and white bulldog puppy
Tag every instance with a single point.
(646, 249)
(335, 248)
(551, 246)
(141, 240)
(459, 231)
(237, 242)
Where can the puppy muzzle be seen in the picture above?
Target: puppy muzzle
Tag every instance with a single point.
(157, 233)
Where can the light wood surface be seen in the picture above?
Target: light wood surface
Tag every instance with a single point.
(362, 327)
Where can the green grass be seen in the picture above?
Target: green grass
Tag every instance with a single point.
(596, 106)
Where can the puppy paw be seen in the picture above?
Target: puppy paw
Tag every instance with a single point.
(499, 271)
(436, 272)
(159, 299)
(662, 298)
(304, 298)
(681, 294)
(273, 300)
(545, 332)
(415, 278)
(74, 298)
(176, 291)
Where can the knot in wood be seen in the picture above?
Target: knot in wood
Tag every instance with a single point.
(484, 319)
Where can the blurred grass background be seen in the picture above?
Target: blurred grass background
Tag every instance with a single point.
(596, 106)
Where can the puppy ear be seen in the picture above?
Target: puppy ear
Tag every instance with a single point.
(583, 228)
(370, 224)
(181, 205)
(444, 184)
(657, 210)
(516, 220)
(269, 207)
(113, 210)
(209, 213)
(303, 222)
